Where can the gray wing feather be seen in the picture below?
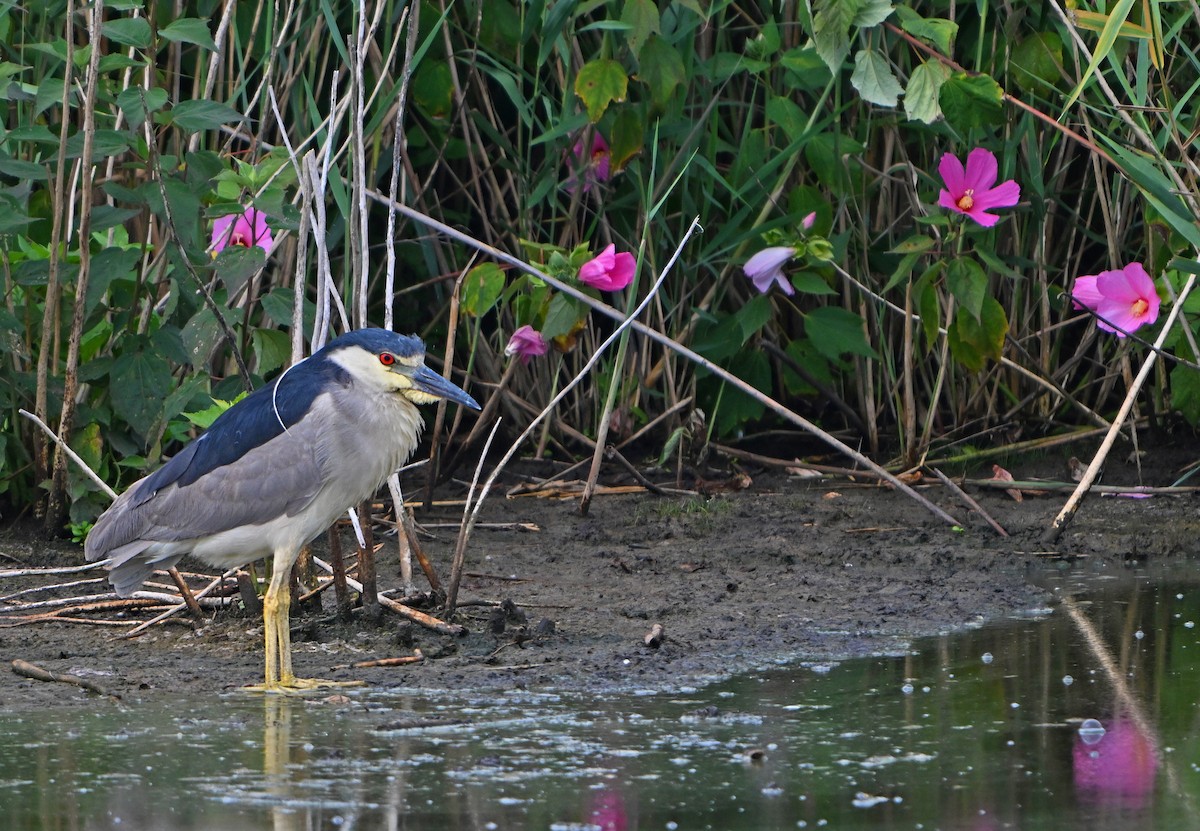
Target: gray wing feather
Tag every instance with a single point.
(278, 478)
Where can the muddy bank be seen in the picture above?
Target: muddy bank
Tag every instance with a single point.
(786, 570)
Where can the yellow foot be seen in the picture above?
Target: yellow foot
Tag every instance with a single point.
(297, 686)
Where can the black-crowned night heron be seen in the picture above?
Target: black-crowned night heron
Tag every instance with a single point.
(274, 471)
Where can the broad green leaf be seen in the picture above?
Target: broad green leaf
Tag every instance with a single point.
(831, 30)
(732, 408)
(1036, 62)
(1185, 392)
(643, 20)
(137, 103)
(753, 316)
(787, 114)
(189, 30)
(272, 349)
(913, 249)
(971, 101)
(874, 80)
(834, 331)
(105, 143)
(561, 317)
(129, 31)
(627, 139)
(197, 116)
(972, 341)
(141, 380)
(34, 133)
(872, 13)
(661, 69)
(235, 264)
(106, 266)
(13, 218)
(21, 169)
(482, 288)
(923, 95)
(808, 282)
(433, 90)
(967, 282)
(936, 31)
(600, 83)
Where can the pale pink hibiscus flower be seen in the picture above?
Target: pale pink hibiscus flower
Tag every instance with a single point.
(1124, 299)
(766, 269)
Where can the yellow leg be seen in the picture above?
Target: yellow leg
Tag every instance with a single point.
(277, 635)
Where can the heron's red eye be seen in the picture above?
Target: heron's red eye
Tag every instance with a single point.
(387, 358)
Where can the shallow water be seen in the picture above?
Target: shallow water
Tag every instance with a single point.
(983, 729)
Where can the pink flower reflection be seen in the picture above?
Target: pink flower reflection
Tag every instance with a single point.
(1118, 767)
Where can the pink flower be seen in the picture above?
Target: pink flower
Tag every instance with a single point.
(970, 191)
(766, 267)
(807, 222)
(247, 229)
(593, 167)
(1123, 300)
(526, 343)
(608, 270)
(1117, 766)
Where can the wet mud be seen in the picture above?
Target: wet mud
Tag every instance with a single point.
(788, 569)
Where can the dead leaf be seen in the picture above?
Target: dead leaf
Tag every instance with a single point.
(1002, 475)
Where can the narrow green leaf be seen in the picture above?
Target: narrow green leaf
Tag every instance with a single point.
(1112, 28)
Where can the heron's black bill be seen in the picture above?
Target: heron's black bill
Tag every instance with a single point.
(428, 381)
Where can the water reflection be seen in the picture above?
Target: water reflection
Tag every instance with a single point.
(978, 730)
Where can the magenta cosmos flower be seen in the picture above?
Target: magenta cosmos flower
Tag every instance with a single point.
(1123, 300)
(766, 267)
(526, 343)
(969, 190)
(246, 229)
(608, 270)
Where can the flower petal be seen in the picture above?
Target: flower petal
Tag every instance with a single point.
(1085, 294)
(1004, 195)
(953, 175)
(981, 169)
(767, 260)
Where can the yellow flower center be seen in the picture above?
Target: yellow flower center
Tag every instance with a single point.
(967, 200)
(1139, 307)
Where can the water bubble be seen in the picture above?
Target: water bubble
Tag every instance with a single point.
(1091, 731)
(1179, 596)
(1139, 634)
(907, 689)
(1191, 624)
(1068, 680)
(986, 657)
(1015, 705)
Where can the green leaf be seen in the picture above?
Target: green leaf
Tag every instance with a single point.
(807, 282)
(1185, 392)
(874, 80)
(872, 13)
(753, 316)
(137, 103)
(929, 306)
(235, 264)
(1036, 62)
(973, 342)
(968, 284)
(643, 20)
(482, 288)
(197, 116)
(661, 69)
(129, 31)
(971, 101)
(561, 317)
(21, 169)
(108, 265)
(189, 30)
(835, 331)
(105, 143)
(831, 30)
(600, 83)
(272, 349)
(141, 381)
(1117, 17)
(627, 139)
(923, 95)
(787, 114)
(936, 31)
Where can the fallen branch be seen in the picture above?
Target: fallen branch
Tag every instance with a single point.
(28, 670)
(416, 616)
